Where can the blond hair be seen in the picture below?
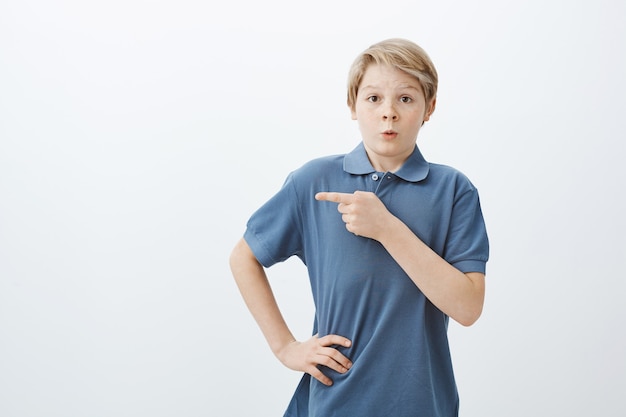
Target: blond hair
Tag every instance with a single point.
(399, 53)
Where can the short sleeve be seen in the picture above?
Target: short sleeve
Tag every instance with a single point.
(273, 232)
(467, 244)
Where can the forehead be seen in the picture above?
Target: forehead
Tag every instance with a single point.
(388, 76)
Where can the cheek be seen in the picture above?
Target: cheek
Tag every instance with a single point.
(363, 117)
(366, 123)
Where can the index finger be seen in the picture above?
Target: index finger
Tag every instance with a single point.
(334, 197)
(335, 339)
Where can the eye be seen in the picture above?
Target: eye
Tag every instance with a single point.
(372, 99)
(406, 99)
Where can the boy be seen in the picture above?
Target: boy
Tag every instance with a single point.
(393, 246)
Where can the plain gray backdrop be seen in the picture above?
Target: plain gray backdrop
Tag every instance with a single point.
(137, 137)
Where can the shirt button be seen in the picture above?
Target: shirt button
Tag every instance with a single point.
(375, 177)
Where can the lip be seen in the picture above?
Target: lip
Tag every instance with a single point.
(389, 134)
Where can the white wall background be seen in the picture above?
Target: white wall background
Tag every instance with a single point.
(136, 137)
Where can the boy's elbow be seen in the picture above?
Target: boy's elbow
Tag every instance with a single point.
(472, 307)
(468, 320)
(469, 317)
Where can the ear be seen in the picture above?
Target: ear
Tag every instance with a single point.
(353, 112)
(430, 109)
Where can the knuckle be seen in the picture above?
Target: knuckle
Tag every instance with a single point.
(324, 360)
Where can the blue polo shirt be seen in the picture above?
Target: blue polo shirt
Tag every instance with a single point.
(400, 354)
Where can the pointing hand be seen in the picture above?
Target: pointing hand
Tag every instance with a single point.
(362, 212)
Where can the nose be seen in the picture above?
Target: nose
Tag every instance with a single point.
(389, 112)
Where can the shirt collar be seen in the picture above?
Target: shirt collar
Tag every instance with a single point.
(414, 169)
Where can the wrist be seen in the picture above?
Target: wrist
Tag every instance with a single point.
(390, 229)
(278, 348)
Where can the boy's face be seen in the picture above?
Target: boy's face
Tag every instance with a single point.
(390, 109)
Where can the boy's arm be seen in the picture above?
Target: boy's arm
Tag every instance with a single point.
(459, 295)
(305, 356)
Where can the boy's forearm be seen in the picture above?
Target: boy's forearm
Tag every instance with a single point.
(258, 296)
(459, 295)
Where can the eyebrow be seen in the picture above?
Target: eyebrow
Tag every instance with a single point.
(400, 87)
